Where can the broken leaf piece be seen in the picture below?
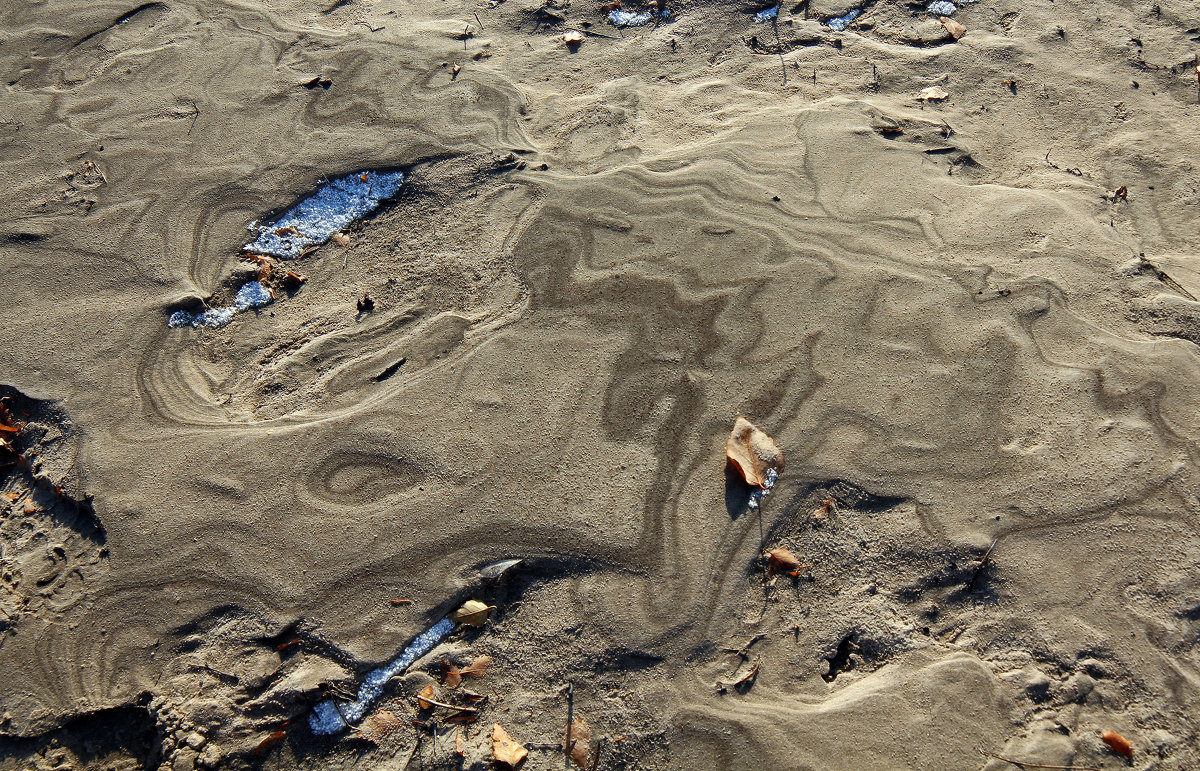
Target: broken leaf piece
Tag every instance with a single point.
(496, 569)
(780, 560)
(505, 749)
(572, 38)
(460, 747)
(478, 668)
(753, 453)
(379, 726)
(955, 29)
(473, 613)
(426, 697)
(341, 239)
(933, 94)
(578, 743)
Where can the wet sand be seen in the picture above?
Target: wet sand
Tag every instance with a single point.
(599, 258)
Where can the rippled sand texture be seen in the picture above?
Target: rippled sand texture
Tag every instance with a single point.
(946, 327)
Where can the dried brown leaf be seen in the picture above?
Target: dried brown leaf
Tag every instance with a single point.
(780, 560)
(426, 697)
(752, 453)
(578, 743)
(955, 29)
(460, 747)
(453, 675)
(379, 726)
(505, 749)
(273, 738)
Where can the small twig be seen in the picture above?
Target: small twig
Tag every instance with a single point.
(744, 651)
(779, 45)
(1025, 764)
(445, 705)
(596, 754)
(568, 745)
(401, 602)
(983, 563)
(476, 15)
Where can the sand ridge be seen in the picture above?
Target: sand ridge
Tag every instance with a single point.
(596, 262)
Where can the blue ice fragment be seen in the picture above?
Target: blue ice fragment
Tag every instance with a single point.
(329, 718)
(839, 23)
(619, 18)
(251, 295)
(333, 206)
(942, 8)
(769, 14)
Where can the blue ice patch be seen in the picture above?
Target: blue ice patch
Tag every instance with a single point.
(252, 294)
(619, 18)
(335, 205)
(769, 14)
(329, 717)
(839, 23)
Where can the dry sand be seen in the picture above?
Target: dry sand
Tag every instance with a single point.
(600, 258)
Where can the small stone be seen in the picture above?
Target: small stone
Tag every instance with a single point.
(933, 94)
(195, 740)
(185, 760)
(210, 758)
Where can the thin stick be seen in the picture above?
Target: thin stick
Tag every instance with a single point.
(476, 15)
(446, 706)
(779, 45)
(983, 563)
(1024, 764)
(567, 744)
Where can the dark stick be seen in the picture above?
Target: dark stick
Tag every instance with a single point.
(983, 563)
(476, 15)
(570, 719)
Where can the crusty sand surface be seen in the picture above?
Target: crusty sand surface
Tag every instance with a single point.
(939, 310)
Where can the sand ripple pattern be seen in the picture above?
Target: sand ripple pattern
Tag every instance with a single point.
(574, 349)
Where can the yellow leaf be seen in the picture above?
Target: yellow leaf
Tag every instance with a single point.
(505, 749)
(753, 453)
(473, 613)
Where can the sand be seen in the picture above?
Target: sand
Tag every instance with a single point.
(941, 311)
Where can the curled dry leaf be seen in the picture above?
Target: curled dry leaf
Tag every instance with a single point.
(1117, 743)
(955, 29)
(426, 697)
(780, 560)
(572, 38)
(273, 738)
(454, 675)
(753, 453)
(473, 613)
(933, 94)
(341, 239)
(578, 743)
(505, 749)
